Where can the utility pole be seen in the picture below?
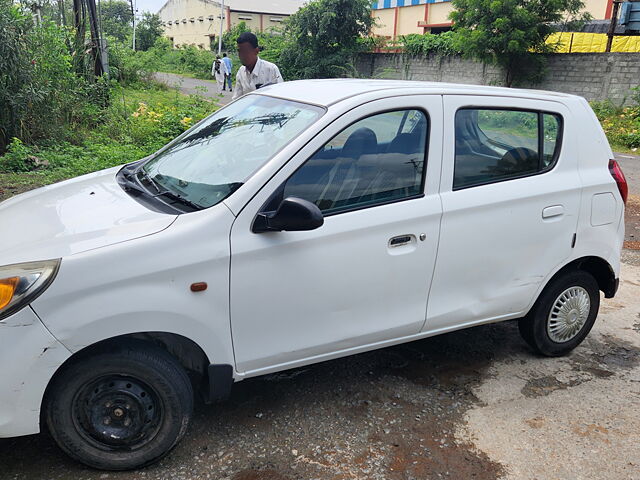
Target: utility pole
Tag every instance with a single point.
(63, 17)
(98, 51)
(79, 24)
(221, 22)
(134, 10)
(81, 10)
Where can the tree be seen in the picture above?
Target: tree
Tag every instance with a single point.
(148, 31)
(229, 38)
(323, 38)
(116, 20)
(512, 33)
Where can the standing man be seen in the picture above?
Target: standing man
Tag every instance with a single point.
(219, 72)
(227, 80)
(254, 72)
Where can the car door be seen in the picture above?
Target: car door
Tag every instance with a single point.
(363, 276)
(510, 194)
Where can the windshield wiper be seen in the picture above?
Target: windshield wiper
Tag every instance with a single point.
(128, 183)
(178, 198)
(145, 176)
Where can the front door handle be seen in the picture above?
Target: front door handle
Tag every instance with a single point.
(553, 211)
(400, 240)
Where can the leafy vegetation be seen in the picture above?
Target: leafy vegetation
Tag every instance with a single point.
(40, 93)
(621, 124)
(116, 20)
(149, 30)
(138, 122)
(441, 44)
(511, 32)
(322, 38)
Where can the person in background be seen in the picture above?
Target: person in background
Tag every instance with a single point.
(254, 72)
(219, 72)
(229, 64)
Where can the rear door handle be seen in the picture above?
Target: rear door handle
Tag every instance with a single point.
(553, 211)
(400, 240)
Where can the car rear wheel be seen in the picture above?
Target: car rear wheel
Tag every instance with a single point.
(563, 315)
(121, 408)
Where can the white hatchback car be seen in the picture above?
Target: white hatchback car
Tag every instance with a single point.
(305, 221)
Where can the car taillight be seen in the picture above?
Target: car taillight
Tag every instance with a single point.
(618, 176)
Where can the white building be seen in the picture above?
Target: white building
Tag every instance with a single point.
(197, 22)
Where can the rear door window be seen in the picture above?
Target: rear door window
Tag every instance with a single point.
(494, 145)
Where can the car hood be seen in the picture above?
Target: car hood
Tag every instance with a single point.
(73, 216)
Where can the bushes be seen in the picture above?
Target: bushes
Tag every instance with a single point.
(129, 67)
(130, 130)
(138, 66)
(621, 124)
(18, 157)
(441, 44)
(323, 38)
(41, 96)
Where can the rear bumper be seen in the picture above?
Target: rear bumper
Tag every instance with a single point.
(29, 356)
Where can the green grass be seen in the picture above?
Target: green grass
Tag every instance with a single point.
(619, 148)
(138, 122)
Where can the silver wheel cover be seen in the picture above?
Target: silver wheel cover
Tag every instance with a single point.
(568, 314)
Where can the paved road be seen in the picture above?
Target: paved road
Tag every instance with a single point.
(630, 165)
(190, 86)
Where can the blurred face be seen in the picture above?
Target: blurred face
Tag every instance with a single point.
(248, 54)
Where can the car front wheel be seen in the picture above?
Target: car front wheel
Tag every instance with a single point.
(563, 315)
(121, 408)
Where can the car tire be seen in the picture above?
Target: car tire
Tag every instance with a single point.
(121, 407)
(563, 315)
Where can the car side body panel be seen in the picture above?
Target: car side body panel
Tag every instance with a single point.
(91, 300)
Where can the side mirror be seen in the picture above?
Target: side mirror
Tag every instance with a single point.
(293, 215)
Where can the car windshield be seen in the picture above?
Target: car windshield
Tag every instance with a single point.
(209, 162)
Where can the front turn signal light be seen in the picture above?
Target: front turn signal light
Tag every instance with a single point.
(22, 283)
(8, 287)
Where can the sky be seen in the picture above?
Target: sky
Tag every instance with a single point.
(154, 5)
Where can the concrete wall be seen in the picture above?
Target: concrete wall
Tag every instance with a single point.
(595, 76)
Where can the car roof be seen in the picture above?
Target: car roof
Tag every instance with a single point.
(327, 92)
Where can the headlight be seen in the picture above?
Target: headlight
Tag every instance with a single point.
(21, 283)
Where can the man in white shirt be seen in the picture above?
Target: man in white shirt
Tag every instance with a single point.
(254, 72)
(219, 72)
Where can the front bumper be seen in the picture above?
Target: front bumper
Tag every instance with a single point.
(29, 356)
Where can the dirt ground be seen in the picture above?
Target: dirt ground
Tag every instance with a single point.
(475, 404)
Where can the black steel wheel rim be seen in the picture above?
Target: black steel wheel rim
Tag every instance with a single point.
(117, 412)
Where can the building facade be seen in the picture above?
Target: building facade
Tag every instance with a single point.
(402, 17)
(197, 22)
